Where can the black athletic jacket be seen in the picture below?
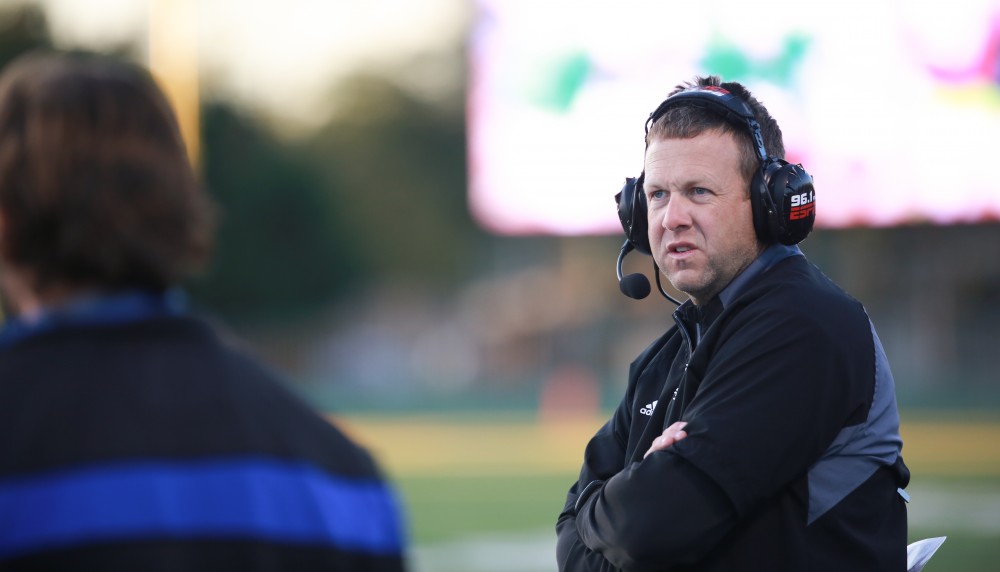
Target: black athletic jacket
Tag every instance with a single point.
(792, 459)
(149, 445)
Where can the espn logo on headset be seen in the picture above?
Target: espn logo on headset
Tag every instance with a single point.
(803, 205)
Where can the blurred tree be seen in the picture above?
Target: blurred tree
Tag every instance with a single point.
(22, 28)
(377, 195)
(283, 250)
(402, 163)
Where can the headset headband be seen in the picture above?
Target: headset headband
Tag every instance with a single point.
(733, 107)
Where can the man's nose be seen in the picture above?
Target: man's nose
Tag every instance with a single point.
(677, 214)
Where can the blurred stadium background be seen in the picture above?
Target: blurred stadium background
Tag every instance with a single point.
(476, 356)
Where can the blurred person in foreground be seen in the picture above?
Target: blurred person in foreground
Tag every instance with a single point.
(760, 432)
(131, 437)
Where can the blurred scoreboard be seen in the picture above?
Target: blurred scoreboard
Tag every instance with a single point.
(892, 106)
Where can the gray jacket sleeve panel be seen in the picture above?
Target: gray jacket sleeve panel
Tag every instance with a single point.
(603, 458)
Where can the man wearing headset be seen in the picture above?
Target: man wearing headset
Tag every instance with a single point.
(760, 432)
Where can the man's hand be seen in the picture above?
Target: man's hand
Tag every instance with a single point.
(670, 435)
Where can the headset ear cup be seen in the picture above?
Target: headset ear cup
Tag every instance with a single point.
(632, 214)
(787, 207)
(762, 205)
(798, 203)
(776, 172)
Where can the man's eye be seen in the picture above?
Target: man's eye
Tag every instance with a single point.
(657, 195)
(699, 191)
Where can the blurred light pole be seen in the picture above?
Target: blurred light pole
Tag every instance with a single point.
(173, 60)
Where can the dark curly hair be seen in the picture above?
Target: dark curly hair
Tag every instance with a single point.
(96, 188)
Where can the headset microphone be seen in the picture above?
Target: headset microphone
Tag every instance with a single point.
(634, 286)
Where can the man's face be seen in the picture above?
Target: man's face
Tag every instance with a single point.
(700, 220)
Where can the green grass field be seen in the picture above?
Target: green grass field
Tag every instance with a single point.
(482, 491)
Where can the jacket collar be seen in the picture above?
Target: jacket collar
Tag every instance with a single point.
(105, 309)
(696, 319)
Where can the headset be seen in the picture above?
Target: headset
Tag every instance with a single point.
(782, 197)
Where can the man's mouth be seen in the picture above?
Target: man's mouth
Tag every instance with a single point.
(680, 248)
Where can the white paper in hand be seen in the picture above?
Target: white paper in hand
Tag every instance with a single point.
(918, 553)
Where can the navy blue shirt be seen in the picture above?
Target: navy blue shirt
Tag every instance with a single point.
(132, 438)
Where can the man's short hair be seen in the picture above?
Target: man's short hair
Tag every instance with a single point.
(686, 121)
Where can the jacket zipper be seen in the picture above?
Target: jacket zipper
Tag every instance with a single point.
(687, 339)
